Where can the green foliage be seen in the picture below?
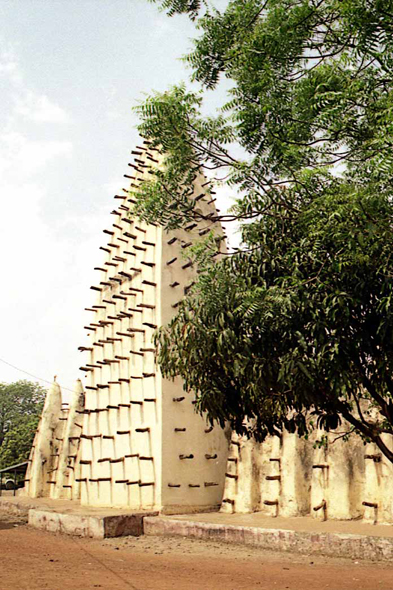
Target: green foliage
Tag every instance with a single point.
(311, 88)
(21, 405)
(190, 7)
(17, 442)
(301, 323)
(171, 121)
(299, 320)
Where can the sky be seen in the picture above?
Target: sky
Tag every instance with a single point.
(70, 73)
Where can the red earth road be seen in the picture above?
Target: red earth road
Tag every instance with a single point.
(35, 560)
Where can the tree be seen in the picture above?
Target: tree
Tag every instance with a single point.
(21, 405)
(300, 325)
(299, 320)
(311, 90)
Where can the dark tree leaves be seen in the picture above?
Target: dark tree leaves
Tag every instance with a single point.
(299, 321)
(21, 405)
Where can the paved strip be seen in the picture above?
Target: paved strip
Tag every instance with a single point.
(306, 543)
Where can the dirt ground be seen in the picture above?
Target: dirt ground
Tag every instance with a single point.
(35, 560)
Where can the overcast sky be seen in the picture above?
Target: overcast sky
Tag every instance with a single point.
(70, 73)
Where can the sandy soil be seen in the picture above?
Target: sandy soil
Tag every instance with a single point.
(34, 560)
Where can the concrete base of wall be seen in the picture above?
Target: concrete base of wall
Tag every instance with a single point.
(331, 544)
(96, 527)
(16, 505)
(351, 539)
(70, 518)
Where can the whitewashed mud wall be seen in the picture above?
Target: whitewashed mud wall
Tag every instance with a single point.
(54, 457)
(287, 476)
(67, 473)
(140, 444)
(143, 446)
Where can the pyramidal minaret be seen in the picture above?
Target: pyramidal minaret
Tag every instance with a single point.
(137, 441)
(143, 445)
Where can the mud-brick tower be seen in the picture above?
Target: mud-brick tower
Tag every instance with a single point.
(142, 444)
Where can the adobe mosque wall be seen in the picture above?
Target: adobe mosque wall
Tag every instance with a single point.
(289, 476)
(134, 439)
(131, 438)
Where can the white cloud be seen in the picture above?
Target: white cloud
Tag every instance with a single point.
(9, 68)
(40, 108)
(34, 283)
(45, 285)
(21, 157)
(26, 103)
(113, 114)
(111, 187)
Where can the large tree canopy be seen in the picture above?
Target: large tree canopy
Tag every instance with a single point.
(312, 88)
(21, 404)
(299, 320)
(301, 323)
